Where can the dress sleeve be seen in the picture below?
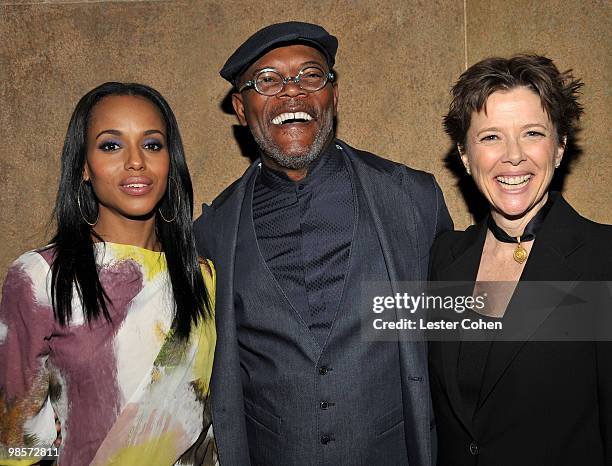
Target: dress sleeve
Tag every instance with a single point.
(26, 322)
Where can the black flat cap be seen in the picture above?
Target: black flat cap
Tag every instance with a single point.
(274, 36)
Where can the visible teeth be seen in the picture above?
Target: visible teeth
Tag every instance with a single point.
(302, 116)
(135, 185)
(280, 119)
(513, 180)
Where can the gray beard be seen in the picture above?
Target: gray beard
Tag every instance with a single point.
(297, 162)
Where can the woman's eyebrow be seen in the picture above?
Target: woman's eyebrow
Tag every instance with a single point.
(110, 131)
(154, 131)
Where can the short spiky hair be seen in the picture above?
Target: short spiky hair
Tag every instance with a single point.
(558, 92)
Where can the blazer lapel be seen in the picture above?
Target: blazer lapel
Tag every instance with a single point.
(527, 309)
(226, 386)
(382, 201)
(399, 243)
(227, 218)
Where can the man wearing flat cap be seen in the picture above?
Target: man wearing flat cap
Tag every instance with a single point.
(294, 240)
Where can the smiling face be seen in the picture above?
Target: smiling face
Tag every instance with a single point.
(127, 159)
(511, 151)
(292, 127)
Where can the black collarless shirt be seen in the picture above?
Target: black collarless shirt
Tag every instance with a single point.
(304, 231)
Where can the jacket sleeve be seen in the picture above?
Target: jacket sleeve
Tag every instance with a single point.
(604, 376)
(203, 229)
(603, 351)
(444, 222)
(26, 322)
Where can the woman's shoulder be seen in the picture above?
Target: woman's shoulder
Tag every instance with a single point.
(598, 231)
(29, 275)
(598, 239)
(598, 236)
(34, 262)
(447, 244)
(451, 237)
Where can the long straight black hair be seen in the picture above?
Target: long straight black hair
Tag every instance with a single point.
(74, 263)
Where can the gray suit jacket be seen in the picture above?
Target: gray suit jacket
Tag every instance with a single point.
(408, 210)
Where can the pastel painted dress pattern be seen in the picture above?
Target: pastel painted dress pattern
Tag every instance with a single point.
(127, 392)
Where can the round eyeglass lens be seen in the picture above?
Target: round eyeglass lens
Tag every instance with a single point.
(269, 82)
(312, 78)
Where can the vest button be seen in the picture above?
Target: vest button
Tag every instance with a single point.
(325, 439)
(324, 405)
(474, 448)
(323, 370)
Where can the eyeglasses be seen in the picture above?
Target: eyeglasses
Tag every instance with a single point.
(270, 82)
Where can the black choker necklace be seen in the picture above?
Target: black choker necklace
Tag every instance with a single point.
(529, 233)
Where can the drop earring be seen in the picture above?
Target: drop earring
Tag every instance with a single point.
(81, 209)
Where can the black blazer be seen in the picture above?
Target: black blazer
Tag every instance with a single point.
(408, 210)
(542, 403)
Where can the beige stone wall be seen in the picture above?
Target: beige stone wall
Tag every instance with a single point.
(397, 60)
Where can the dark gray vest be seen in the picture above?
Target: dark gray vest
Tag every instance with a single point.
(340, 404)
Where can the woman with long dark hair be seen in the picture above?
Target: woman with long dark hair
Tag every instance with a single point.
(110, 327)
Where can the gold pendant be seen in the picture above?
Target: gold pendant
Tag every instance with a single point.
(520, 253)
